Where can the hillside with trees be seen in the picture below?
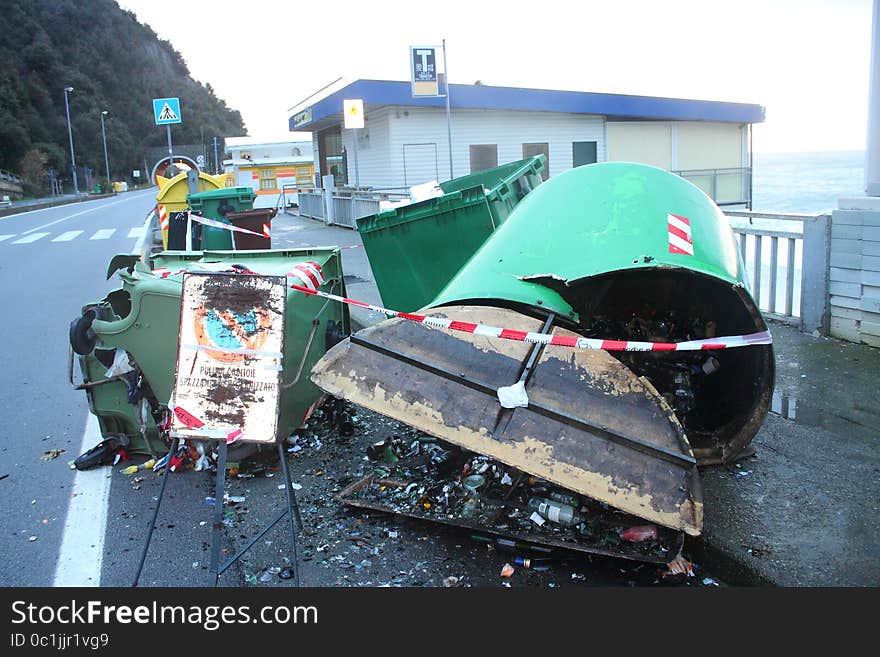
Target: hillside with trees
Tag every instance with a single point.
(114, 63)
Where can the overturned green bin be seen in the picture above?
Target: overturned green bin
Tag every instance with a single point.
(603, 339)
(140, 321)
(415, 250)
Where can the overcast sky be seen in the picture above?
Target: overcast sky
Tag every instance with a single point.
(806, 61)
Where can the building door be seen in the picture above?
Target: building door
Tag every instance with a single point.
(420, 164)
(583, 152)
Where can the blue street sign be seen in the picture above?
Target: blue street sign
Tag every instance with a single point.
(166, 110)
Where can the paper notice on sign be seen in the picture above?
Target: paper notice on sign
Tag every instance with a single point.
(229, 360)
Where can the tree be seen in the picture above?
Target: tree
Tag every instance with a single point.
(32, 168)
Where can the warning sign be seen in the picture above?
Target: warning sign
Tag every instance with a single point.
(166, 110)
(229, 360)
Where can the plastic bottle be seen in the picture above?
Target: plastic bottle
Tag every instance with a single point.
(561, 514)
(640, 534)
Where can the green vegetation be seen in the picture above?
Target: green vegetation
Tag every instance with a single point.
(114, 63)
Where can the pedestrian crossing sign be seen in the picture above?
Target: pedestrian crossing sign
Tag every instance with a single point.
(166, 110)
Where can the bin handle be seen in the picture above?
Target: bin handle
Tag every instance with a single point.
(85, 385)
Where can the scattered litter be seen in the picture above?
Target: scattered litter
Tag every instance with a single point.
(742, 473)
(451, 581)
(708, 581)
(32, 539)
(514, 396)
(679, 566)
(51, 454)
(286, 573)
(537, 518)
(507, 570)
(130, 470)
(640, 534)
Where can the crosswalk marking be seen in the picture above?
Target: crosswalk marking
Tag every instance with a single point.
(33, 237)
(69, 235)
(102, 234)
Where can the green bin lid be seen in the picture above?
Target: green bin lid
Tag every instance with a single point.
(225, 192)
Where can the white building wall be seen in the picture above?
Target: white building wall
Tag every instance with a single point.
(509, 130)
(373, 150)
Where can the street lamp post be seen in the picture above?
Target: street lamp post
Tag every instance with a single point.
(70, 134)
(104, 137)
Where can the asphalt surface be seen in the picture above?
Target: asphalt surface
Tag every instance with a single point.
(44, 284)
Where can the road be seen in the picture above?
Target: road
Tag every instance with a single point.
(52, 262)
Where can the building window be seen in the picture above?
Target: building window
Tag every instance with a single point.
(483, 156)
(267, 179)
(530, 150)
(583, 152)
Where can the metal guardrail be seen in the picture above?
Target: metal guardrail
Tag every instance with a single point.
(346, 207)
(11, 177)
(787, 265)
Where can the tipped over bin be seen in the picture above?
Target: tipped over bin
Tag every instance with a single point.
(140, 322)
(414, 250)
(603, 339)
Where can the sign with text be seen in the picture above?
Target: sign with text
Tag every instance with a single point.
(166, 110)
(423, 65)
(354, 113)
(302, 118)
(229, 358)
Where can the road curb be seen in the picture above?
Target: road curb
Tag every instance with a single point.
(42, 206)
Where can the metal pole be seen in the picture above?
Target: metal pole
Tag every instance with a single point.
(104, 137)
(448, 115)
(70, 135)
(216, 158)
(357, 177)
(872, 149)
(170, 153)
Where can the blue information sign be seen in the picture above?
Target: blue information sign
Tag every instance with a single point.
(166, 110)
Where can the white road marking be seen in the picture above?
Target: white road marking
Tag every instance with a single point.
(69, 235)
(137, 196)
(3, 238)
(136, 232)
(103, 234)
(33, 237)
(82, 542)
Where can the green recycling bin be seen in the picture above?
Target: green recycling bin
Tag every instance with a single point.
(216, 204)
(141, 319)
(416, 249)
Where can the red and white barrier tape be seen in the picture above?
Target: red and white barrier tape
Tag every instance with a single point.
(192, 422)
(213, 223)
(725, 342)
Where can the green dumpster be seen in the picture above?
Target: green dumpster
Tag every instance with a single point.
(142, 319)
(557, 349)
(216, 204)
(416, 249)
